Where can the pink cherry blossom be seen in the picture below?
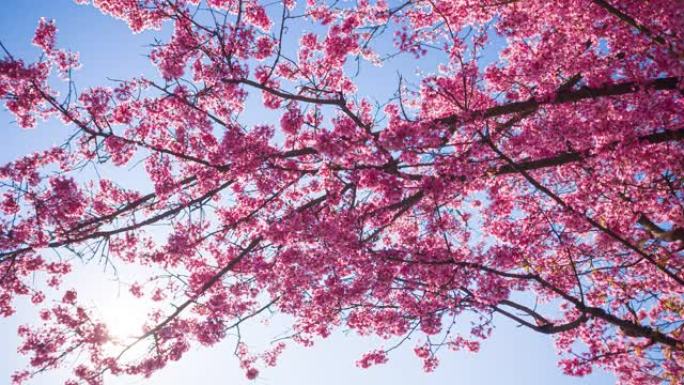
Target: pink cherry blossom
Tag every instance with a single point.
(526, 150)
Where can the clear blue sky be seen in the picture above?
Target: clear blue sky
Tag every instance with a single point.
(513, 356)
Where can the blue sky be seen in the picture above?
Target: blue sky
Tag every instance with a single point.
(513, 356)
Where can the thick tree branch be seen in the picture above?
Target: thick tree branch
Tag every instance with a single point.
(575, 156)
(566, 96)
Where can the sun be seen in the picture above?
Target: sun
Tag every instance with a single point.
(124, 315)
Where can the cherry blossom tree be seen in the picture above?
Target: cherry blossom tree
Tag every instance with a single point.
(544, 186)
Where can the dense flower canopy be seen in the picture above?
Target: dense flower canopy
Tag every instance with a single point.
(553, 170)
